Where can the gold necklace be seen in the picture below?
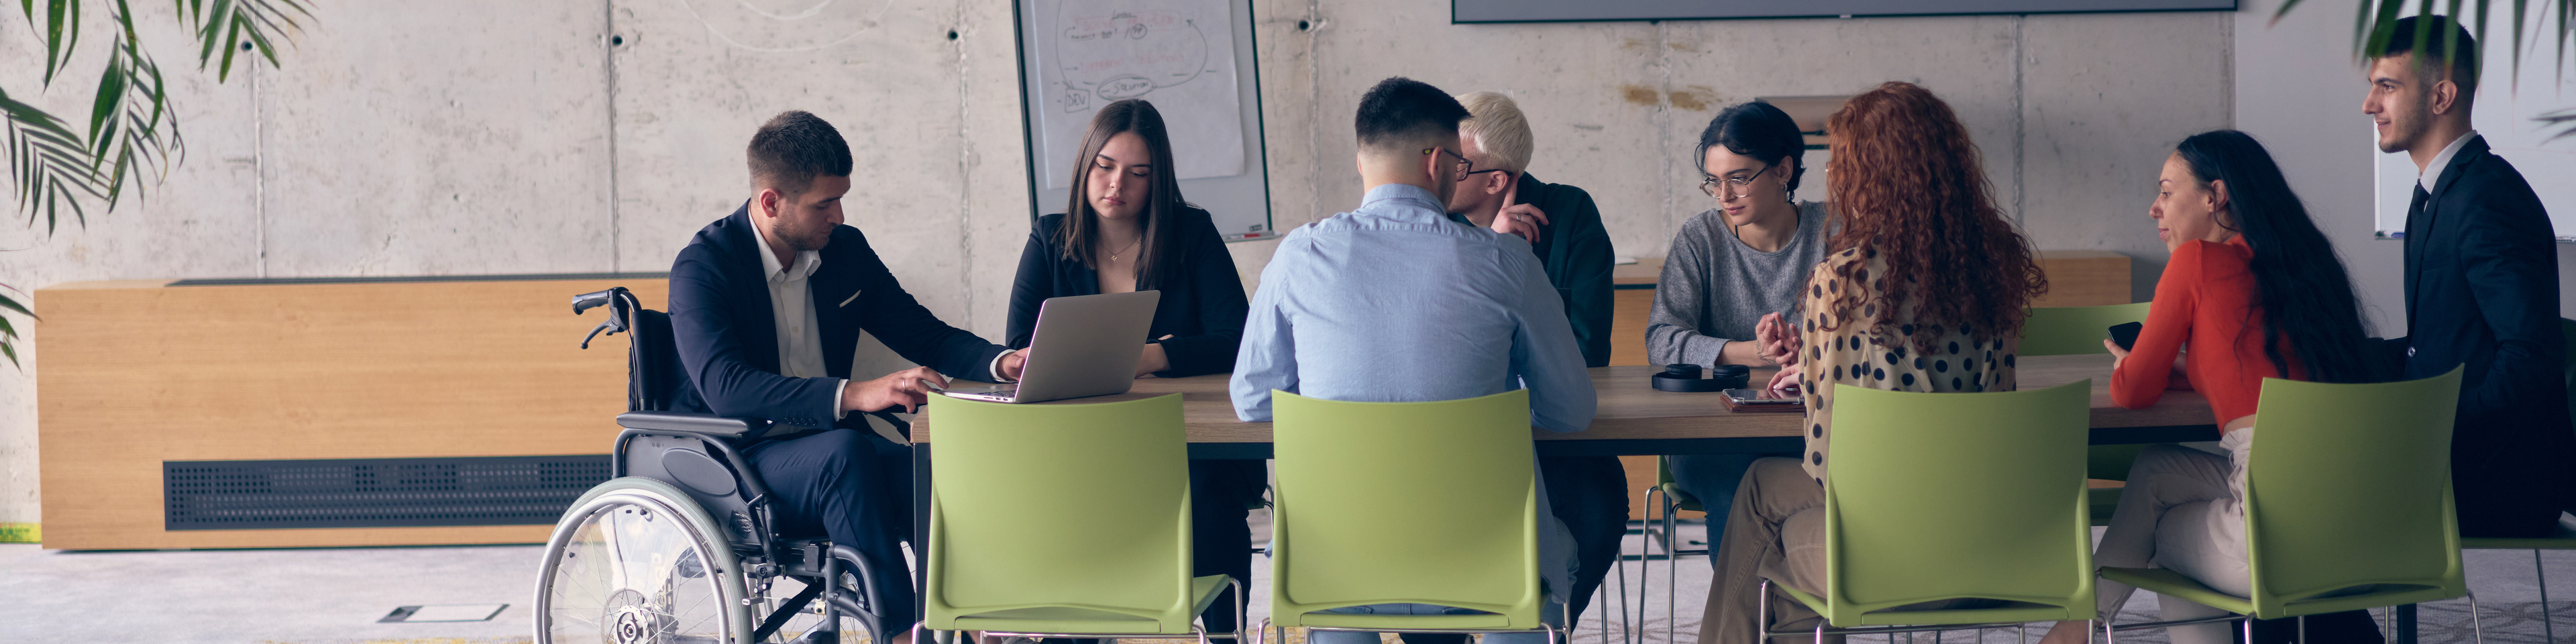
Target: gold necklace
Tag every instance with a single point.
(1140, 239)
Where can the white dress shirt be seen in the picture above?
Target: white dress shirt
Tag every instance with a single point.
(791, 305)
(2431, 173)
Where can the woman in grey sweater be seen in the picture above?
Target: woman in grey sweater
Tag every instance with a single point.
(1734, 272)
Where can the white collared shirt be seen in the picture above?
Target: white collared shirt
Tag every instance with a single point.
(791, 306)
(2431, 174)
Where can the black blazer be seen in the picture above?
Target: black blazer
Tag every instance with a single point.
(728, 340)
(2482, 290)
(1202, 307)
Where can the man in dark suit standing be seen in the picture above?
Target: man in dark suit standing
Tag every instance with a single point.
(766, 307)
(2481, 286)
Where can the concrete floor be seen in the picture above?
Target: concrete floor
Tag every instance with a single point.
(335, 596)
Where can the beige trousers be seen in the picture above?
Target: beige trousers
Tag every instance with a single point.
(1775, 529)
(2182, 511)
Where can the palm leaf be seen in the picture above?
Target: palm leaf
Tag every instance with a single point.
(229, 24)
(50, 165)
(2564, 120)
(9, 334)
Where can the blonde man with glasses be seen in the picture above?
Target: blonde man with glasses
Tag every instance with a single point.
(1560, 221)
(1564, 229)
(1734, 273)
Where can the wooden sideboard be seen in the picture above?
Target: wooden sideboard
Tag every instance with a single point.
(142, 372)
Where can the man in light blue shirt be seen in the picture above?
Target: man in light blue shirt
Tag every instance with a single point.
(1397, 301)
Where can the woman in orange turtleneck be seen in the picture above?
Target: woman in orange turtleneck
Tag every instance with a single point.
(2253, 291)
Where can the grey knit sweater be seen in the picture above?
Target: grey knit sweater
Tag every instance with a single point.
(1714, 289)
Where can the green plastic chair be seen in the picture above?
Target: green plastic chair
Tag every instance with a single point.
(1110, 483)
(2080, 330)
(1941, 496)
(2564, 538)
(1350, 526)
(2347, 505)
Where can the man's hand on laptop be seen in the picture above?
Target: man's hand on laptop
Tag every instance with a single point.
(899, 389)
(1012, 364)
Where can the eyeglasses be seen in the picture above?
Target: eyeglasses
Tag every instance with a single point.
(1465, 167)
(1722, 188)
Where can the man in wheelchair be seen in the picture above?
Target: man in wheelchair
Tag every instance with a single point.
(766, 309)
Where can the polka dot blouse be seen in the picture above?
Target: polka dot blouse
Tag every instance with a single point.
(1855, 354)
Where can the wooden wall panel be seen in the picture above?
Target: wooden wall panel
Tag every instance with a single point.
(2084, 278)
(139, 372)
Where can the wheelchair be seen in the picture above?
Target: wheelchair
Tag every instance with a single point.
(680, 545)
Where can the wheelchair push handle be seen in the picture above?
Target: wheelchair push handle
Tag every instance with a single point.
(621, 306)
(587, 301)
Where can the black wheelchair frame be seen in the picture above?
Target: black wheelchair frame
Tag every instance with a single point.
(700, 454)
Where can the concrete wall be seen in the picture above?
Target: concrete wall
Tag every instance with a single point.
(2299, 91)
(480, 137)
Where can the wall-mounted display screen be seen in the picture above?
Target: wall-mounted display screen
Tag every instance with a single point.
(1467, 11)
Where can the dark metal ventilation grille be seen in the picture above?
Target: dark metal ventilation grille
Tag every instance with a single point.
(375, 493)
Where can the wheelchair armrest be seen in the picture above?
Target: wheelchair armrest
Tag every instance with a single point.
(709, 424)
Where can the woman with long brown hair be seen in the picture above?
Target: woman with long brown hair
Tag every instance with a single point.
(1125, 228)
(1923, 289)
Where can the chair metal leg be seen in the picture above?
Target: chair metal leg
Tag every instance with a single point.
(2475, 629)
(1672, 570)
(2246, 626)
(2303, 630)
(1628, 631)
(1761, 614)
(2548, 632)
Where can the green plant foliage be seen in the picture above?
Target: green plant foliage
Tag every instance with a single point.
(2375, 21)
(132, 137)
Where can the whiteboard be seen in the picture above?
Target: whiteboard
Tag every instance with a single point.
(1193, 59)
(2503, 115)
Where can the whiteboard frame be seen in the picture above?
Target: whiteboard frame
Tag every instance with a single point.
(1231, 192)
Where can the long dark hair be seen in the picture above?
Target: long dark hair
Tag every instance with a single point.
(1912, 190)
(2307, 298)
(1081, 229)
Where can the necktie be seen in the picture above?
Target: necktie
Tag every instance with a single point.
(2415, 208)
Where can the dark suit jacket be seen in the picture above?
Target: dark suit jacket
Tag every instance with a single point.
(720, 318)
(1202, 305)
(2482, 290)
(1575, 251)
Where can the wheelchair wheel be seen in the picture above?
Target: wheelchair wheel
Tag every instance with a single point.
(637, 562)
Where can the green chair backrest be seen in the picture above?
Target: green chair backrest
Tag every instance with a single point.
(1937, 496)
(1424, 502)
(2350, 485)
(2074, 330)
(1664, 481)
(1070, 512)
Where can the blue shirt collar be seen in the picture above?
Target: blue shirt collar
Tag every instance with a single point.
(1403, 191)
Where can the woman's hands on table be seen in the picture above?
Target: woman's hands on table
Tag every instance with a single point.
(1778, 341)
(1787, 379)
(1154, 359)
(2179, 381)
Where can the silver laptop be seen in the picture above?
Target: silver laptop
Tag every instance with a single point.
(1084, 345)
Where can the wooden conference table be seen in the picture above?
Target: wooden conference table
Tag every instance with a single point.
(1637, 419)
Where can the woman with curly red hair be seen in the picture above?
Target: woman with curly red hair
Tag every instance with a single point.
(1923, 289)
